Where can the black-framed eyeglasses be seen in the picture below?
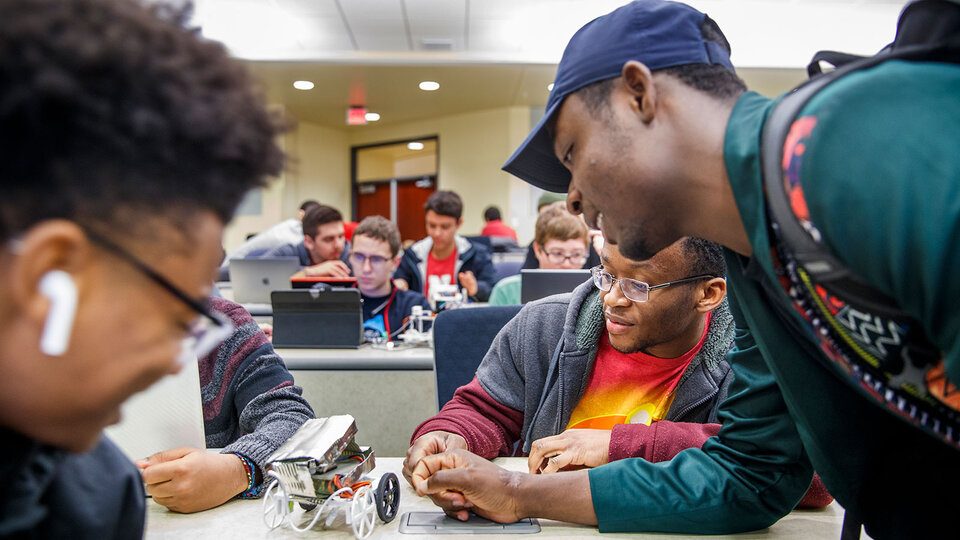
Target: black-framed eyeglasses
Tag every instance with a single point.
(207, 331)
(632, 289)
(559, 257)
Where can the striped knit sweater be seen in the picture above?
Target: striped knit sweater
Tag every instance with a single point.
(250, 404)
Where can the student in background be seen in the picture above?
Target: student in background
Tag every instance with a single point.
(129, 141)
(561, 241)
(250, 407)
(554, 206)
(495, 226)
(289, 231)
(322, 249)
(374, 256)
(444, 257)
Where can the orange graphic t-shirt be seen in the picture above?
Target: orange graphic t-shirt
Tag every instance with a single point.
(631, 388)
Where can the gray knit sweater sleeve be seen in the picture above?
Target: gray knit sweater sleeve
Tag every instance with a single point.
(250, 403)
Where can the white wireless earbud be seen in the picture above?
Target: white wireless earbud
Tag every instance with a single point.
(58, 287)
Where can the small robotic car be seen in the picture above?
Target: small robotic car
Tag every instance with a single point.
(321, 465)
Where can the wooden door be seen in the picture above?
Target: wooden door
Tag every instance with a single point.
(373, 199)
(411, 196)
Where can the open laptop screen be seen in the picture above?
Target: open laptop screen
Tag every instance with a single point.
(537, 283)
(313, 318)
(254, 279)
(167, 415)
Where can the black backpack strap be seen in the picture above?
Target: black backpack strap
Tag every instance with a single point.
(834, 58)
(911, 44)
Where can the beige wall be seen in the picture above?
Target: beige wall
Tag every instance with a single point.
(318, 168)
(472, 148)
(415, 166)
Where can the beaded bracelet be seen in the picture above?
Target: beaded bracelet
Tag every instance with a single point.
(252, 490)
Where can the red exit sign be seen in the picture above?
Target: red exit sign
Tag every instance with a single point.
(356, 116)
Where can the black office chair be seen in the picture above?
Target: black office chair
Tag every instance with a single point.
(461, 338)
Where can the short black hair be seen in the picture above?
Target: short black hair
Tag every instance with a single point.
(713, 79)
(703, 257)
(445, 203)
(317, 216)
(308, 204)
(491, 213)
(112, 111)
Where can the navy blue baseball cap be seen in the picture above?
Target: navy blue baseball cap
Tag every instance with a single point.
(658, 33)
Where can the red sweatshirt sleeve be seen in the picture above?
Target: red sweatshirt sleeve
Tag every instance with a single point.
(490, 428)
(662, 440)
(659, 441)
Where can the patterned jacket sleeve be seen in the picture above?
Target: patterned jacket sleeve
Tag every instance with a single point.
(250, 403)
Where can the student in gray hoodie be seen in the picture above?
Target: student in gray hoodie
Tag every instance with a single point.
(646, 376)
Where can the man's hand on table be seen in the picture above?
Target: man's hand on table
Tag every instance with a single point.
(459, 481)
(572, 449)
(190, 479)
(428, 444)
(333, 268)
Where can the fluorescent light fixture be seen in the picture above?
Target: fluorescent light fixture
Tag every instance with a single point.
(429, 86)
(550, 87)
(372, 116)
(303, 85)
(415, 145)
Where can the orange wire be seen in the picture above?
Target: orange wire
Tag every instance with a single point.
(339, 485)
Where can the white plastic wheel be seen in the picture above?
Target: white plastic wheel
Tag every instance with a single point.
(275, 502)
(363, 512)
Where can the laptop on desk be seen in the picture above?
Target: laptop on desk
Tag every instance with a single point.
(310, 282)
(537, 283)
(317, 319)
(254, 279)
(167, 415)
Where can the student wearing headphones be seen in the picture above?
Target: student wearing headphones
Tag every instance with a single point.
(374, 256)
(129, 141)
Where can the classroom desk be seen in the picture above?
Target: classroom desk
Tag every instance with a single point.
(364, 358)
(389, 392)
(244, 519)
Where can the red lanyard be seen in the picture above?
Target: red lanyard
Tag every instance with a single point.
(386, 309)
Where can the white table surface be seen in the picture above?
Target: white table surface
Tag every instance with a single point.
(243, 519)
(366, 357)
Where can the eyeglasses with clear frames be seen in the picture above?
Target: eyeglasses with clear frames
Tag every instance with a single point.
(204, 333)
(559, 257)
(635, 290)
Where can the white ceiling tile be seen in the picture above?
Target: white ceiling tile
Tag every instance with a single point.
(310, 8)
(326, 33)
(437, 20)
(377, 25)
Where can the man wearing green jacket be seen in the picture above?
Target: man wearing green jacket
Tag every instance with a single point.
(654, 137)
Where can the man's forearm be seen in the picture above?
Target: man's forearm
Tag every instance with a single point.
(563, 496)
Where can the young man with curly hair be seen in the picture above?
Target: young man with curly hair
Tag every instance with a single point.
(129, 141)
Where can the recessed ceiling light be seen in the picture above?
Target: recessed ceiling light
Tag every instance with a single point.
(372, 116)
(429, 86)
(415, 146)
(550, 87)
(303, 85)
